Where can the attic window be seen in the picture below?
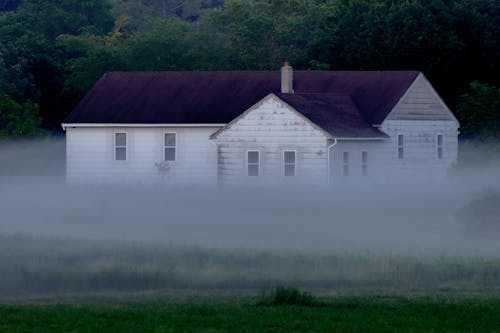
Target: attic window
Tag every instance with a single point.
(439, 146)
(170, 146)
(253, 163)
(120, 146)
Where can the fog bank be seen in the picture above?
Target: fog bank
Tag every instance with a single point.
(412, 218)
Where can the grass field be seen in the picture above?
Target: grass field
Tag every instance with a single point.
(77, 285)
(31, 266)
(360, 313)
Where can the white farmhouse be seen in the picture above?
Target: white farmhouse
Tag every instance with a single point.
(313, 127)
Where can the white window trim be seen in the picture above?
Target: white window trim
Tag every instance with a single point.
(115, 146)
(258, 164)
(164, 146)
(437, 147)
(295, 162)
(403, 146)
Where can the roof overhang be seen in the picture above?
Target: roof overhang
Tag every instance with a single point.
(362, 139)
(94, 125)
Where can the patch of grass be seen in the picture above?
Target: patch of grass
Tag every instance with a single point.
(339, 314)
(31, 266)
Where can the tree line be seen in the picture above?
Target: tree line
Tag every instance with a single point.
(53, 51)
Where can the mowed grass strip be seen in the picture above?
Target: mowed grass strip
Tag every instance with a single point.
(344, 314)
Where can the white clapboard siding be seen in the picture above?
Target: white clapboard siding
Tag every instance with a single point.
(421, 102)
(420, 147)
(90, 156)
(420, 116)
(272, 128)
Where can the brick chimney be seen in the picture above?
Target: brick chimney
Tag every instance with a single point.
(286, 78)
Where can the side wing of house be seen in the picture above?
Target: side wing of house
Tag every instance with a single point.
(140, 155)
(423, 134)
(272, 143)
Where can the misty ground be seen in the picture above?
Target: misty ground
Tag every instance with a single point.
(442, 234)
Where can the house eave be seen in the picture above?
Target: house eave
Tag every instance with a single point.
(105, 125)
(361, 139)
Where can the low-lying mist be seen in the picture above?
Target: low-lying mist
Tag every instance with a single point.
(453, 220)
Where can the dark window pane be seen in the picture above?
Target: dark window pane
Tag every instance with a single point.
(440, 153)
(170, 139)
(400, 153)
(290, 170)
(346, 170)
(120, 154)
(364, 156)
(169, 154)
(401, 140)
(253, 170)
(440, 140)
(253, 157)
(289, 157)
(345, 157)
(120, 139)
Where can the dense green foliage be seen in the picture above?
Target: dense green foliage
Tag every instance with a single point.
(220, 314)
(480, 111)
(52, 52)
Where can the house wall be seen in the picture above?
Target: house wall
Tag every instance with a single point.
(420, 116)
(90, 156)
(420, 147)
(271, 128)
(419, 163)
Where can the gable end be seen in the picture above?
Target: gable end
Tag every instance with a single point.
(421, 102)
(258, 104)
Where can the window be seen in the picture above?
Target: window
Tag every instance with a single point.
(169, 146)
(253, 163)
(439, 146)
(345, 161)
(401, 146)
(364, 163)
(289, 163)
(120, 146)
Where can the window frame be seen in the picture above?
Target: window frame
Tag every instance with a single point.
(248, 163)
(165, 146)
(116, 146)
(345, 163)
(294, 162)
(401, 147)
(364, 163)
(439, 148)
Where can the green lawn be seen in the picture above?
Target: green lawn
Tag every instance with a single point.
(223, 314)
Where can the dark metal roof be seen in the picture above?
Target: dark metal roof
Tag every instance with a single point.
(336, 114)
(219, 97)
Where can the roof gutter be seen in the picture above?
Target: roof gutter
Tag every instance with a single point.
(362, 139)
(103, 125)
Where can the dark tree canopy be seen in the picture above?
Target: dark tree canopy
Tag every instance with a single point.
(53, 51)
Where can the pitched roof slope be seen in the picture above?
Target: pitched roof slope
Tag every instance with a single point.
(336, 114)
(219, 97)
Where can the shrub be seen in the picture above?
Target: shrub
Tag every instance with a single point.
(286, 296)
